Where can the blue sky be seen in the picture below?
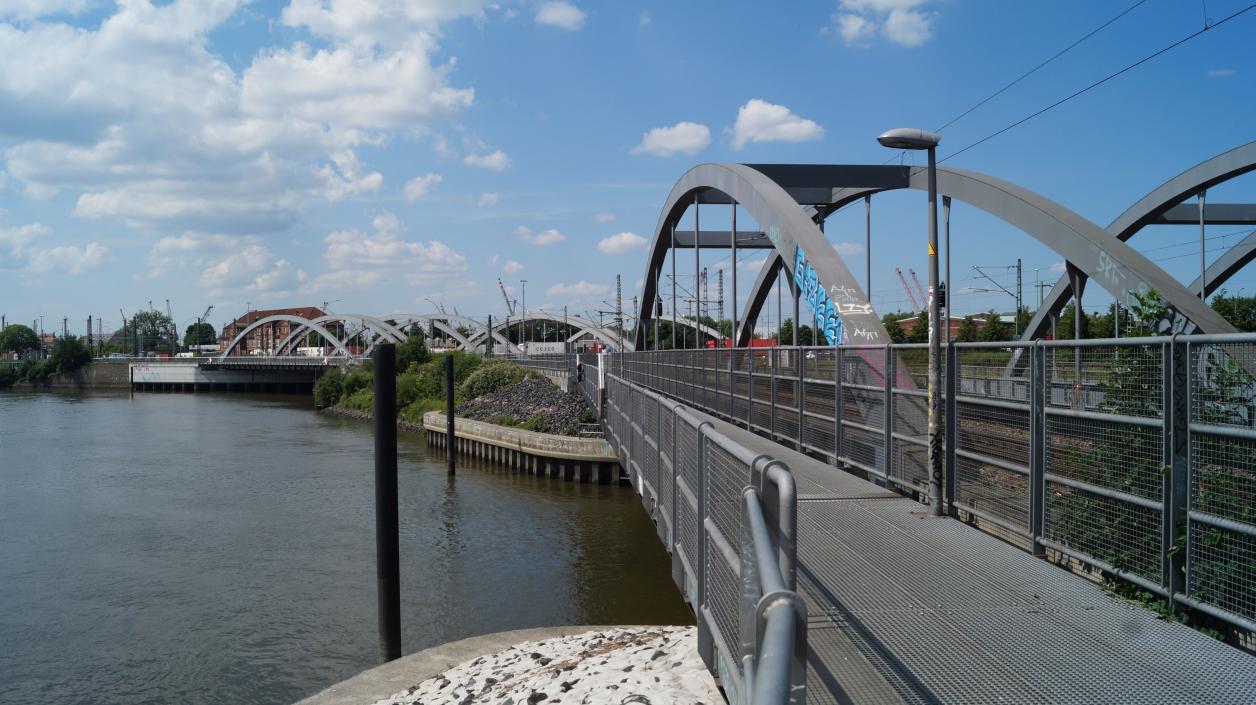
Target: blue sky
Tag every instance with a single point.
(380, 154)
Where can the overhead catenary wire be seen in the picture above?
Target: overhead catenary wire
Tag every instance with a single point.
(1099, 82)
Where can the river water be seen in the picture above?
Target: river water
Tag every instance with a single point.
(220, 549)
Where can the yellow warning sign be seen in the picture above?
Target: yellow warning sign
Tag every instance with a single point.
(932, 253)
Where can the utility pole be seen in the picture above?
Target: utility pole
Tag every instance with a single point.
(1020, 294)
(524, 319)
(719, 291)
(619, 310)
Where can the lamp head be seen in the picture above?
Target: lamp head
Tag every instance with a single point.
(909, 138)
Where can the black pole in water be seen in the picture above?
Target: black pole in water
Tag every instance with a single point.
(387, 550)
(450, 439)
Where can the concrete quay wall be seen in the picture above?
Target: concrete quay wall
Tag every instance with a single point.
(588, 460)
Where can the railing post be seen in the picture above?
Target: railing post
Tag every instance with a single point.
(839, 402)
(952, 425)
(1177, 418)
(706, 644)
(776, 352)
(888, 421)
(801, 396)
(1037, 446)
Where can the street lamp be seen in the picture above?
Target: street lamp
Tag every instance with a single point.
(909, 138)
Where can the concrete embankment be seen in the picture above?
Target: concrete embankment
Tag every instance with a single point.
(557, 664)
(568, 457)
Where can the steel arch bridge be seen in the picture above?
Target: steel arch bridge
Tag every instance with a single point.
(469, 333)
(791, 203)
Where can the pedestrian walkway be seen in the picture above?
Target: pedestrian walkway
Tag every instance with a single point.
(905, 607)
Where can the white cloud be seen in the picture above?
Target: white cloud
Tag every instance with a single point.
(645, 19)
(908, 27)
(26, 10)
(253, 269)
(603, 217)
(848, 248)
(1220, 73)
(193, 249)
(418, 187)
(496, 161)
(622, 243)
(386, 249)
(858, 21)
(560, 14)
(512, 267)
(348, 177)
(1058, 267)
(140, 119)
(685, 137)
(545, 237)
(853, 28)
(23, 253)
(580, 288)
(488, 199)
(761, 121)
(67, 258)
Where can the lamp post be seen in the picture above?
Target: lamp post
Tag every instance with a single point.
(908, 138)
(523, 283)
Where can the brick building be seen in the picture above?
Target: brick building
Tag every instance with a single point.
(264, 338)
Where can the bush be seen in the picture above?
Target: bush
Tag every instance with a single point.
(412, 353)
(34, 370)
(490, 378)
(407, 389)
(68, 355)
(414, 411)
(329, 388)
(361, 400)
(504, 420)
(356, 381)
(8, 376)
(536, 422)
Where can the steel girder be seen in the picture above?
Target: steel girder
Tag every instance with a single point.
(1146, 211)
(374, 323)
(305, 322)
(773, 202)
(1227, 265)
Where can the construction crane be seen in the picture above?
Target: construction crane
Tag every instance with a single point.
(510, 307)
(910, 296)
(924, 300)
(174, 330)
(203, 318)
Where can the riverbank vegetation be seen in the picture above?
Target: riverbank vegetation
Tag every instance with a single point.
(67, 356)
(492, 390)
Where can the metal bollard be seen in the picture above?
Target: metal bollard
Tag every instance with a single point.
(387, 550)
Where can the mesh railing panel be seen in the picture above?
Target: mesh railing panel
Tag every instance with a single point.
(1001, 435)
(726, 478)
(911, 453)
(687, 451)
(1125, 379)
(1113, 455)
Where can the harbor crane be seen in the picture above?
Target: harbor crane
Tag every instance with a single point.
(510, 307)
(910, 296)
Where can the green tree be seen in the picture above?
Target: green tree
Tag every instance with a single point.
(328, 388)
(968, 331)
(68, 355)
(994, 331)
(152, 329)
(412, 352)
(1240, 311)
(200, 334)
(19, 339)
(920, 329)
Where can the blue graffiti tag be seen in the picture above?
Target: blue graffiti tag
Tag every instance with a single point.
(812, 291)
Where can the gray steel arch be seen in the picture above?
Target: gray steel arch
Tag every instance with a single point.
(586, 326)
(1210, 172)
(380, 326)
(1113, 264)
(291, 319)
(774, 205)
(1227, 265)
(763, 284)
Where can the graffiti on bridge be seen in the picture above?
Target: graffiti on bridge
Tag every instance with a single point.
(812, 291)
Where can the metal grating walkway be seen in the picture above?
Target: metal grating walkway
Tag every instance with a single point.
(905, 607)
